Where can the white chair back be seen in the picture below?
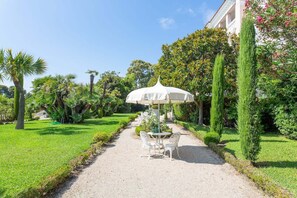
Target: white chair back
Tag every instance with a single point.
(174, 138)
(144, 138)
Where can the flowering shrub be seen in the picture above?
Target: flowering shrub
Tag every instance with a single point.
(276, 21)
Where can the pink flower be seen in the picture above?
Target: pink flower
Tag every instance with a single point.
(287, 23)
(289, 13)
(247, 3)
(260, 19)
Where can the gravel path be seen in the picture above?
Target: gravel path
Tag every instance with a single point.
(121, 172)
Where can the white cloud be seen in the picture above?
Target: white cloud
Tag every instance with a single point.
(188, 11)
(166, 23)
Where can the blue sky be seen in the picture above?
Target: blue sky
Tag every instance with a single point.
(74, 36)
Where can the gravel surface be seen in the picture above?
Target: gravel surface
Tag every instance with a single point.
(121, 172)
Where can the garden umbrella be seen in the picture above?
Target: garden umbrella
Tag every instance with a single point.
(159, 94)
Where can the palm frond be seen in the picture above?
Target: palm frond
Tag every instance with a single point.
(94, 72)
(39, 67)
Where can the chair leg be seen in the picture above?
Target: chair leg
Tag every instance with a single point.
(149, 157)
(177, 152)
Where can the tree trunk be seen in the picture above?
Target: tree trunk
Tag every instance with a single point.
(16, 103)
(91, 84)
(17, 97)
(21, 114)
(200, 121)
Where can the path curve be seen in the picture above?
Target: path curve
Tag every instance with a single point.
(121, 172)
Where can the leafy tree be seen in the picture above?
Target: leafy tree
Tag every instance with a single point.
(143, 71)
(6, 108)
(107, 85)
(217, 99)
(247, 72)
(125, 86)
(276, 21)
(7, 91)
(188, 64)
(14, 67)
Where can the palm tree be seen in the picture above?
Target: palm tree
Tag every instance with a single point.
(14, 67)
(92, 73)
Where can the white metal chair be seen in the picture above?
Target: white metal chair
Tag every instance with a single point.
(147, 143)
(173, 144)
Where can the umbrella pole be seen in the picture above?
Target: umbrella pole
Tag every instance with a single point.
(159, 117)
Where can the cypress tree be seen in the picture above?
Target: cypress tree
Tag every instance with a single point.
(217, 100)
(247, 76)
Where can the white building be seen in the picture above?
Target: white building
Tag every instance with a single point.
(229, 16)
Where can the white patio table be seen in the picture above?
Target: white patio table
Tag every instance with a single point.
(158, 137)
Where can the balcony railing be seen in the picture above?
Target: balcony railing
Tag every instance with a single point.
(231, 26)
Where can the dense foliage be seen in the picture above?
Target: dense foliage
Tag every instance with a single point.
(276, 21)
(188, 64)
(247, 112)
(63, 99)
(6, 103)
(142, 71)
(217, 96)
(7, 91)
(68, 102)
(6, 108)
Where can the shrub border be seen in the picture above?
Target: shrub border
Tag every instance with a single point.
(245, 167)
(52, 181)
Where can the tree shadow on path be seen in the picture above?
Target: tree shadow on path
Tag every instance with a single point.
(198, 154)
(278, 164)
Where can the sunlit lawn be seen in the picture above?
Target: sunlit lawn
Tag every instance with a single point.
(27, 156)
(277, 158)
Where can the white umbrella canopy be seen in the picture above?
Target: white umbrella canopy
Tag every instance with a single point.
(159, 94)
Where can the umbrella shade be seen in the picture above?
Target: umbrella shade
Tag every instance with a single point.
(159, 94)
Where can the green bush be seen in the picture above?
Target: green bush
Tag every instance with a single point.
(286, 120)
(132, 117)
(100, 113)
(101, 137)
(211, 137)
(123, 123)
(138, 129)
(180, 112)
(165, 128)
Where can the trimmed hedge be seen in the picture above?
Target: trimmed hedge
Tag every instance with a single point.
(101, 137)
(243, 166)
(53, 181)
(212, 137)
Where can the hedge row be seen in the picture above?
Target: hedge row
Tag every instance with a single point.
(243, 166)
(62, 174)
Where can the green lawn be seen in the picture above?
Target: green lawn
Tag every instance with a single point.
(28, 156)
(277, 158)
